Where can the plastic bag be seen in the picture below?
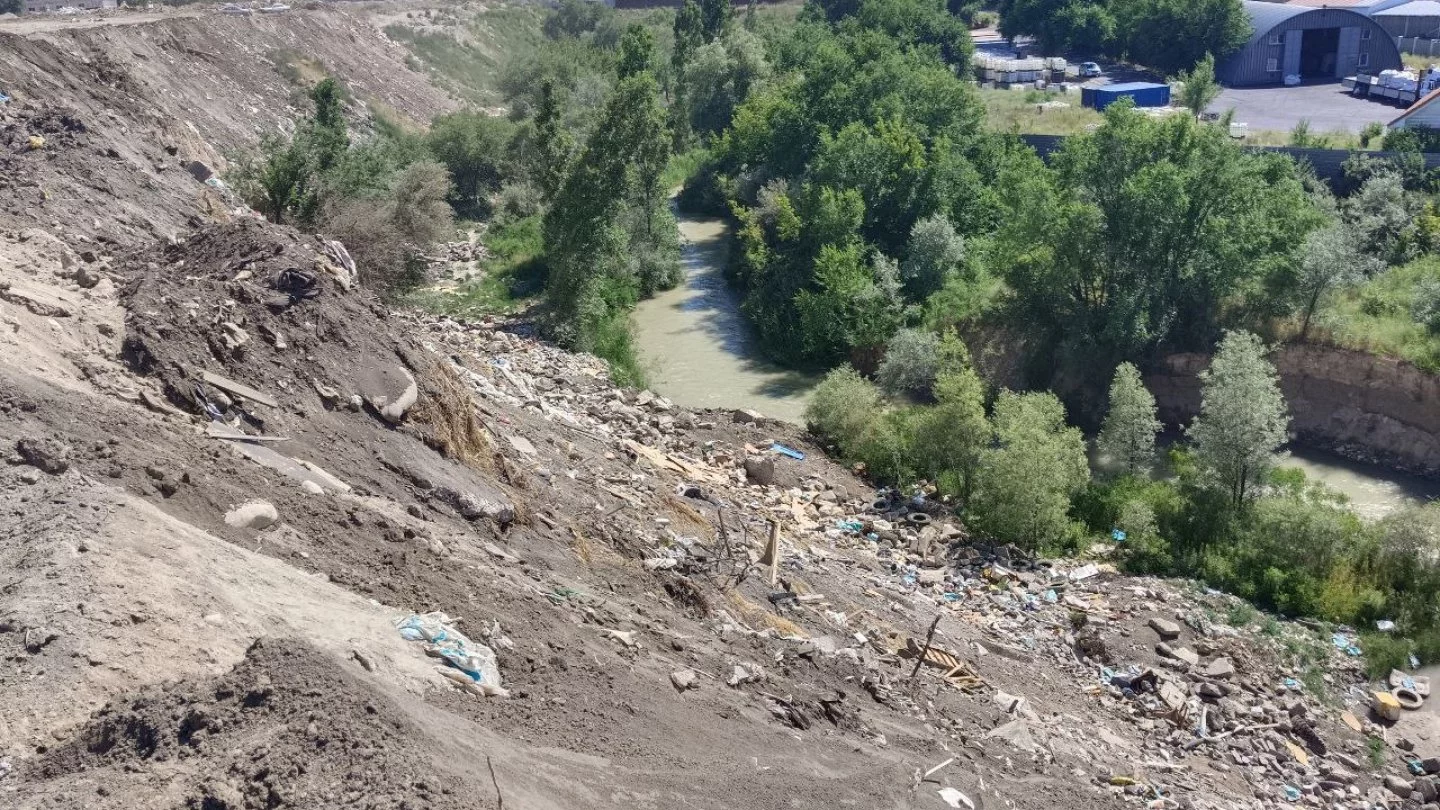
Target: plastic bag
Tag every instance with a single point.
(476, 661)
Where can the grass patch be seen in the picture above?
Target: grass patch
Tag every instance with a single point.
(1019, 111)
(615, 344)
(510, 280)
(464, 54)
(1240, 614)
(1375, 751)
(682, 166)
(1375, 317)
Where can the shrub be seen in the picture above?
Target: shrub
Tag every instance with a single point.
(386, 232)
(843, 409)
(910, 364)
(519, 200)
(1384, 652)
(1425, 304)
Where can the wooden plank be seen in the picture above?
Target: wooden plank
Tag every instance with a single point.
(221, 431)
(238, 389)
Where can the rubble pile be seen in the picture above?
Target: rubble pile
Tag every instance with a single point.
(1208, 706)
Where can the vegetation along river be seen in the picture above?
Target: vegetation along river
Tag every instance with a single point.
(699, 351)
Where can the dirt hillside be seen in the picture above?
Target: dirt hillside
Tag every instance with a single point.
(239, 491)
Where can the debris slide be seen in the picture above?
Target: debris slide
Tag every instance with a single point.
(266, 542)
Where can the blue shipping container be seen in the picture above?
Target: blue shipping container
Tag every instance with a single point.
(1145, 94)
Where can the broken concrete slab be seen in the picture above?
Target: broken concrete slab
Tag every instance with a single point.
(1167, 629)
(238, 389)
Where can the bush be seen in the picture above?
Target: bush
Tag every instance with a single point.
(1384, 652)
(843, 409)
(1425, 304)
(518, 200)
(386, 232)
(704, 192)
(910, 365)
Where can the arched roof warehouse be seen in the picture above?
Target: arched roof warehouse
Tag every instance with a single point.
(1317, 44)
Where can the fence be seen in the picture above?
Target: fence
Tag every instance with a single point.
(1420, 46)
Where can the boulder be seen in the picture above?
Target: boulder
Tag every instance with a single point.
(760, 470)
(252, 515)
(48, 455)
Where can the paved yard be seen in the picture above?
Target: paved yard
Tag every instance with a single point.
(1327, 106)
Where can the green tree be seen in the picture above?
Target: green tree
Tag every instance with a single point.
(1141, 232)
(689, 35)
(283, 182)
(473, 147)
(1243, 418)
(911, 363)
(1174, 35)
(1128, 435)
(608, 208)
(1382, 217)
(1331, 259)
(1199, 86)
(934, 251)
(554, 144)
(715, 16)
(951, 436)
(637, 51)
(1025, 482)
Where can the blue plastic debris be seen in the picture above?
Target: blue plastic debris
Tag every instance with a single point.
(852, 526)
(785, 450)
(1051, 597)
(1345, 643)
(1117, 535)
(1291, 683)
(1415, 767)
(4, 99)
(1292, 793)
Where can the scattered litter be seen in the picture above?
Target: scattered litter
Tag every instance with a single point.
(786, 450)
(471, 665)
(955, 798)
(1385, 626)
(1085, 571)
(626, 637)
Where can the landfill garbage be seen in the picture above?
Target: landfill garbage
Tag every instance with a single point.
(786, 450)
(955, 798)
(1085, 571)
(4, 99)
(474, 661)
(1117, 535)
(1385, 626)
(36, 143)
(1292, 793)
(1347, 644)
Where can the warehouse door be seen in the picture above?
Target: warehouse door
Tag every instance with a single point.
(1319, 52)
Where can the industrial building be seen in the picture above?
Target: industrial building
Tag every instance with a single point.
(1301, 42)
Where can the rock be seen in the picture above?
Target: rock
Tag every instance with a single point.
(312, 488)
(1219, 668)
(1431, 765)
(394, 411)
(473, 508)
(760, 470)
(1426, 789)
(48, 455)
(683, 679)
(1399, 786)
(30, 476)
(521, 444)
(1167, 629)
(1212, 691)
(86, 277)
(1184, 654)
(252, 515)
(745, 416)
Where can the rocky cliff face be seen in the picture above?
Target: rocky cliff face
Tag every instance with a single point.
(1366, 407)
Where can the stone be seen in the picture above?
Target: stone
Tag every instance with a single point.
(1431, 765)
(683, 679)
(1426, 789)
(1399, 786)
(1167, 629)
(1219, 668)
(745, 416)
(47, 455)
(1184, 654)
(760, 470)
(1211, 691)
(252, 515)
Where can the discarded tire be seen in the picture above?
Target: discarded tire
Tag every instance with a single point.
(1408, 699)
(918, 519)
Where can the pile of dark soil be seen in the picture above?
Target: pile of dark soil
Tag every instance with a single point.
(286, 728)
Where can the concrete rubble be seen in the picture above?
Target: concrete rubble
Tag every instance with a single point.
(1202, 700)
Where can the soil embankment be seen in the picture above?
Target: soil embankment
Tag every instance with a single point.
(1374, 409)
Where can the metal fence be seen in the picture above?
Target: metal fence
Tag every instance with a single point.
(1420, 46)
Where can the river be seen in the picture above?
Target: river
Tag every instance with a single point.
(699, 351)
(696, 346)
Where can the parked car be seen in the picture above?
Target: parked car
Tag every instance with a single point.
(1090, 70)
